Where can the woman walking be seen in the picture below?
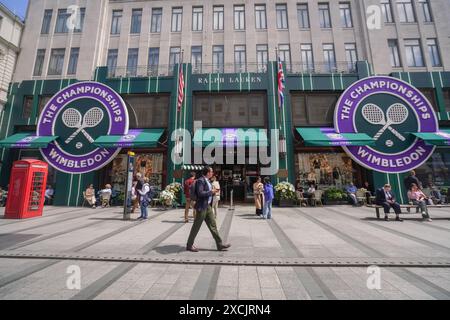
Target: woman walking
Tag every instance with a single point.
(268, 197)
(145, 199)
(215, 186)
(258, 193)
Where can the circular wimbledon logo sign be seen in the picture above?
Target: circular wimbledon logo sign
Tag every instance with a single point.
(78, 115)
(388, 110)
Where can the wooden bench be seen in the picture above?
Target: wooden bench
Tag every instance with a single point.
(405, 206)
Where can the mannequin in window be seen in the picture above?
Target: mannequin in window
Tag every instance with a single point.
(312, 178)
(317, 166)
(337, 177)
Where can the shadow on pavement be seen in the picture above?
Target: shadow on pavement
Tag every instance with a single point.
(170, 249)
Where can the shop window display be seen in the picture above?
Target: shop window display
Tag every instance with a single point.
(324, 169)
(151, 166)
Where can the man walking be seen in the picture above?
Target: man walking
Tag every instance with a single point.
(204, 212)
(385, 198)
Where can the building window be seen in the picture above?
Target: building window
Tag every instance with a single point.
(196, 59)
(132, 62)
(116, 21)
(174, 58)
(405, 11)
(425, 4)
(153, 61)
(230, 110)
(282, 22)
(324, 15)
(82, 13)
(239, 17)
(414, 56)
(218, 17)
(218, 59)
(433, 50)
(61, 21)
(27, 108)
(240, 59)
(56, 64)
(351, 56)
(446, 99)
(313, 109)
(152, 111)
(136, 21)
(261, 57)
(329, 58)
(435, 169)
(386, 8)
(307, 57)
(39, 63)
(303, 15)
(197, 18)
(45, 29)
(284, 52)
(156, 20)
(394, 53)
(260, 16)
(73, 61)
(112, 61)
(177, 19)
(346, 15)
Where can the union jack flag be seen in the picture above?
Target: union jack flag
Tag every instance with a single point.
(280, 78)
(180, 89)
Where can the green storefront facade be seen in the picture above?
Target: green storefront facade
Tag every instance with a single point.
(21, 114)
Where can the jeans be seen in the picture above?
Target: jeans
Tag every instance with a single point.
(423, 207)
(267, 212)
(144, 212)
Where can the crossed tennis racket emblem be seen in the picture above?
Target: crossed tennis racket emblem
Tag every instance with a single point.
(72, 119)
(395, 114)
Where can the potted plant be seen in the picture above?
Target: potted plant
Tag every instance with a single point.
(335, 196)
(166, 198)
(175, 189)
(285, 194)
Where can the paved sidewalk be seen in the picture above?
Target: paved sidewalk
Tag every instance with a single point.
(302, 253)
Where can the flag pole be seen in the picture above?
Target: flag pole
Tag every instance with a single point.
(278, 96)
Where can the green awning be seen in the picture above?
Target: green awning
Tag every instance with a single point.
(249, 137)
(438, 138)
(136, 138)
(318, 137)
(27, 141)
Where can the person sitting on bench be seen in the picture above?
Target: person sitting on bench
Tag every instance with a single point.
(385, 198)
(418, 198)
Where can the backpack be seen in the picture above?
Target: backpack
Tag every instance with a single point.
(147, 198)
(193, 191)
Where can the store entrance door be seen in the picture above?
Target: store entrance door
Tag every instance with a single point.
(239, 178)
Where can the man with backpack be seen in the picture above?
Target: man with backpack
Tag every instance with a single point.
(189, 202)
(203, 194)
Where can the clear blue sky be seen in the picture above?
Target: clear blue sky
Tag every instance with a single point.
(19, 7)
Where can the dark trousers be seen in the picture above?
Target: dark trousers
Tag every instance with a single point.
(206, 215)
(387, 207)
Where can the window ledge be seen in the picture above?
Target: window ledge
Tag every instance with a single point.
(408, 23)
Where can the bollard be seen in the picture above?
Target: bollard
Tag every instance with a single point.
(231, 201)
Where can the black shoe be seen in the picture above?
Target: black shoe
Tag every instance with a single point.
(386, 218)
(223, 247)
(398, 219)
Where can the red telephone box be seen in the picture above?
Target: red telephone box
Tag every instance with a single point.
(26, 193)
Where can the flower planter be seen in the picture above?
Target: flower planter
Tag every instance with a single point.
(286, 203)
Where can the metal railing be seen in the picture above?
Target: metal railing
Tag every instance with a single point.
(206, 68)
(320, 67)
